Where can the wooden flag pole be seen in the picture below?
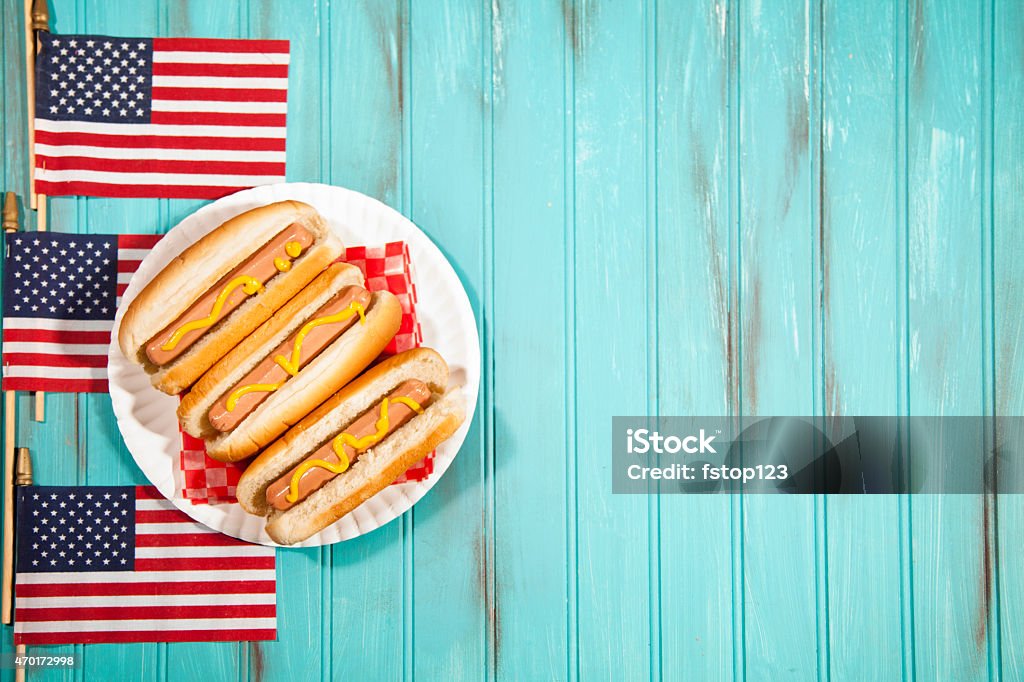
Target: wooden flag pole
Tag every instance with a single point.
(22, 477)
(40, 400)
(10, 224)
(37, 18)
(8, 573)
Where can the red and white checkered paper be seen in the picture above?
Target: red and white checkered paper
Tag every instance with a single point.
(386, 267)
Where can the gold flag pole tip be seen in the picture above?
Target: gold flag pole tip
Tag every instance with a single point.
(11, 222)
(23, 470)
(40, 16)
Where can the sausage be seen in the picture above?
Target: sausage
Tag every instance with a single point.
(316, 334)
(230, 292)
(315, 475)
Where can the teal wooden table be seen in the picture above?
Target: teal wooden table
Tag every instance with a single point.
(756, 207)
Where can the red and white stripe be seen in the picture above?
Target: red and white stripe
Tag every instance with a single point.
(55, 355)
(190, 584)
(218, 125)
(67, 356)
(131, 249)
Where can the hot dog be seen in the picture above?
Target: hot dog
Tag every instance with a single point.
(353, 446)
(219, 289)
(311, 347)
(247, 279)
(338, 454)
(345, 309)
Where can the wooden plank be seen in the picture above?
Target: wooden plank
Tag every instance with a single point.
(778, 245)
(362, 139)
(862, 254)
(453, 608)
(13, 123)
(1007, 131)
(950, 538)
(610, 333)
(361, 132)
(696, 351)
(529, 341)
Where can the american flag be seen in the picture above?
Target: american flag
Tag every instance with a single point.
(122, 564)
(60, 295)
(159, 117)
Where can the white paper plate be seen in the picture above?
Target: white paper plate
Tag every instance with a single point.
(146, 416)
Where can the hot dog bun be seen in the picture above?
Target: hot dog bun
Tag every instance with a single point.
(375, 468)
(200, 267)
(335, 366)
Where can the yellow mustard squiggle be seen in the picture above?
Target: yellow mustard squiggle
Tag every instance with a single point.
(357, 444)
(235, 396)
(250, 285)
(292, 366)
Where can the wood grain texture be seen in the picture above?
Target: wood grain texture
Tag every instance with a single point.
(611, 345)
(777, 242)
(950, 537)
(717, 207)
(695, 370)
(532, 127)
(445, 103)
(861, 253)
